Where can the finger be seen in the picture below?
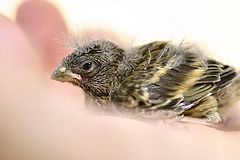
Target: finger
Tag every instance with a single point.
(15, 49)
(43, 23)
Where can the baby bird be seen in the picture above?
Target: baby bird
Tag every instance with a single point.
(151, 78)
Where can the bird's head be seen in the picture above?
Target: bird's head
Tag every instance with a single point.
(93, 67)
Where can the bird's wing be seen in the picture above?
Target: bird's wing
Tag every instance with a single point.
(177, 80)
(215, 78)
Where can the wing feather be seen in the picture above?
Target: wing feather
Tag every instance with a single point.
(154, 85)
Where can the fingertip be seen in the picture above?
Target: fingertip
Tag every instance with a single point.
(42, 22)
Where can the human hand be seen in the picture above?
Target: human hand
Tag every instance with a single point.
(43, 122)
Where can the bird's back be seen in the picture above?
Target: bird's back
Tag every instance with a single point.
(177, 78)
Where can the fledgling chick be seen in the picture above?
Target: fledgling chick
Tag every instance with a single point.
(154, 77)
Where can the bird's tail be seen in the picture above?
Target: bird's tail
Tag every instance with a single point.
(230, 95)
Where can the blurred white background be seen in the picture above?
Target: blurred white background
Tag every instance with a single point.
(214, 24)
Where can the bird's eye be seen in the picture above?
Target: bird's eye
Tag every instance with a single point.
(87, 66)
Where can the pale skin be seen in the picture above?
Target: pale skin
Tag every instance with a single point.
(44, 119)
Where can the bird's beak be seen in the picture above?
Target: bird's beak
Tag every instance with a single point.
(61, 74)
